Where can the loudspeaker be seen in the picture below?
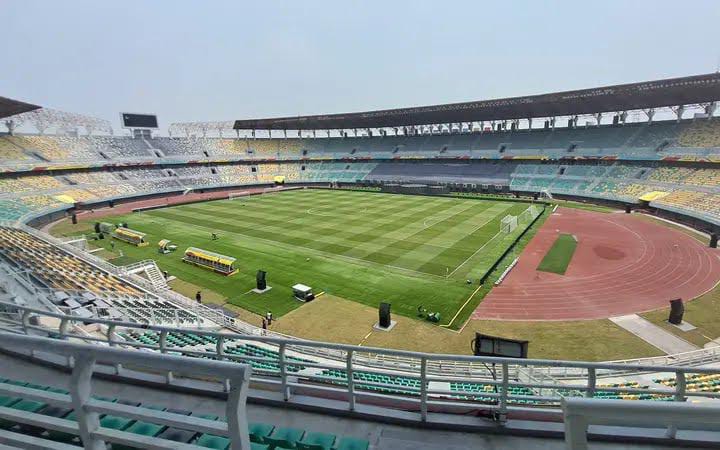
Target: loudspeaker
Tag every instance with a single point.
(74, 219)
(384, 311)
(713, 240)
(628, 209)
(677, 309)
(260, 279)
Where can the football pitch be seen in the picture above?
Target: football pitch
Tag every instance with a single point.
(364, 246)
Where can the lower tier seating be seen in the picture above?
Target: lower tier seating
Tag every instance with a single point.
(263, 436)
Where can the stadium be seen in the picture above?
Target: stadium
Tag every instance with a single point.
(533, 271)
(573, 236)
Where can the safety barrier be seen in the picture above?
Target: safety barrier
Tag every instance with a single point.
(88, 408)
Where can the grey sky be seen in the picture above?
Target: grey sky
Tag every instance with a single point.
(222, 60)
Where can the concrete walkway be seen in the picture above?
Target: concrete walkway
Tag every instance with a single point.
(653, 334)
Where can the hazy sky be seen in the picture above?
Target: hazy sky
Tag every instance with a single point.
(224, 60)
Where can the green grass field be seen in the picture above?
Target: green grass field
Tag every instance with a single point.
(557, 259)
(364, 246)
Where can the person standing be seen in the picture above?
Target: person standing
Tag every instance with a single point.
(269, 317)
(264, 326)
(198, 297)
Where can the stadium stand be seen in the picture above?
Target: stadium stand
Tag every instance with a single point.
(58, 269)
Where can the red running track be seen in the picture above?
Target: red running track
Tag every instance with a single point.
(622, 265)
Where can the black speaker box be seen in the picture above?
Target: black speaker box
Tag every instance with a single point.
(677, 309)
(260, 279)
(384, 310)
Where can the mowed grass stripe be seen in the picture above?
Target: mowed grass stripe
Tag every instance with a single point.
(278, 233)
(399, 231)
(419, 239)
(322, 232)
(408, 235)
(433, 261)
(270, 238)
(297, 213)
(465, 248)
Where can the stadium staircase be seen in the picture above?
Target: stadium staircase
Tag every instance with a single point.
(151, 271)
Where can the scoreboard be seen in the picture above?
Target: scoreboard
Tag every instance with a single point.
(130, 120)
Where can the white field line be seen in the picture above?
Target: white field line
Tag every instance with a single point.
(476, 252)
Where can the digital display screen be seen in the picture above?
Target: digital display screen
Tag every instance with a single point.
(139, 120)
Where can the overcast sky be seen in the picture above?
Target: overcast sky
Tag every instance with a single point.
(226, 60)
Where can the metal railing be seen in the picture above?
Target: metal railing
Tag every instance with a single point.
(579, 413)
(88, 409)
(421, 385)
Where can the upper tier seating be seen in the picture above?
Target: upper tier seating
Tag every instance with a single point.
(11, 152)
(496, 173)
(702, 133)
(689, 139)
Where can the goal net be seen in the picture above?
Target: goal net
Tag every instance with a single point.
(529, 214)
(234, 195)
(508, 224)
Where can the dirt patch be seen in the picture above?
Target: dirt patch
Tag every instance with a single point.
(605, 252)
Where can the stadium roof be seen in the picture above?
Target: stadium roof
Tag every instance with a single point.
(622, 97)
(10, 107)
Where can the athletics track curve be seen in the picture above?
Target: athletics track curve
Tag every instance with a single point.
(623, 264)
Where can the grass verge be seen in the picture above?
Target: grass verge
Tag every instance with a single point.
(558, 258)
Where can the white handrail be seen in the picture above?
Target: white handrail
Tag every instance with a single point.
(578, 413)
(87, 409)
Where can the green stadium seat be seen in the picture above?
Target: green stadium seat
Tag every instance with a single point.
(316, 441)
(351, 443)
(116, 422)
(259, 431)
(57, 412)
(61, 436)
(177, 435)
(143, 429)
(8, 401)
(213, 441)
(285, 438)
(22, 405)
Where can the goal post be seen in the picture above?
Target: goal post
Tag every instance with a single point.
(529, 214)
(508, 224)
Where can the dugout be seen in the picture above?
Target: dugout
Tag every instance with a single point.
(210, 260)
(130, 236)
